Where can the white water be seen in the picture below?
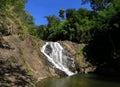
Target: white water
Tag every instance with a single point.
(58, 57)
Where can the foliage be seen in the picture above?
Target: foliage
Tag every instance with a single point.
(98, 5)
(74, 28)
(14, 11)
(61, 13)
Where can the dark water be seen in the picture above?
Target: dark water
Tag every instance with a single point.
(81, 81)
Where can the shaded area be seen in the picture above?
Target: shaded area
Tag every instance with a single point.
(104, 51)
(13, 75)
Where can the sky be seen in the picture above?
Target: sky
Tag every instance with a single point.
(40, 8)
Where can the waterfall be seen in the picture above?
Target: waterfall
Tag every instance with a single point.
(59, 57)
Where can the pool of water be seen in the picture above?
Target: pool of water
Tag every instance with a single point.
(79, 80)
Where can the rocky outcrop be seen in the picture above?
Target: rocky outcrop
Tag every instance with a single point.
(8, 27)
(76, 51)
(13, 74)
(3, 43)
(27, 54)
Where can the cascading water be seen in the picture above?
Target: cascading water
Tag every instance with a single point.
(56, 54)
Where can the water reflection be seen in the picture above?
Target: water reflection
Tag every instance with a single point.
(78, 81)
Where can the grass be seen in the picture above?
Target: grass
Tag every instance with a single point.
(28, 68)
(22, 52)
(80, 51)
(14, 59)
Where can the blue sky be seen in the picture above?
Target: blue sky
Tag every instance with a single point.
(40, 8)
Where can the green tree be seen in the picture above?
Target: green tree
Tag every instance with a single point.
(61, 13)
(97, 5)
